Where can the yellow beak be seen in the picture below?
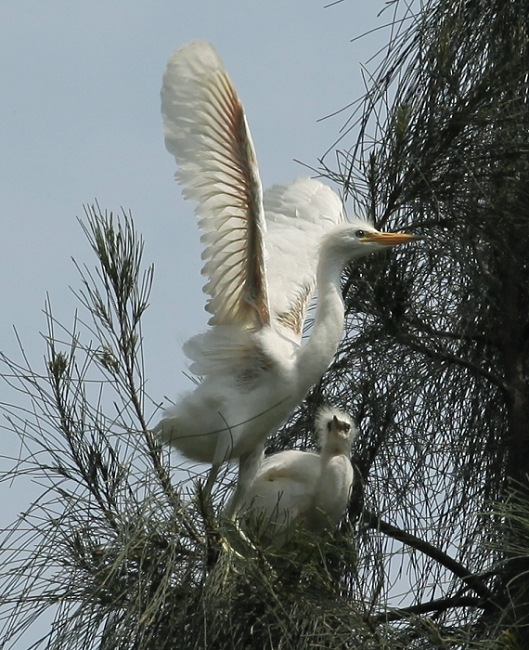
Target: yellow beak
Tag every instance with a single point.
(389, 238)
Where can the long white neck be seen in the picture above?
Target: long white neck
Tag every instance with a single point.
(334, 446)
(317, 354)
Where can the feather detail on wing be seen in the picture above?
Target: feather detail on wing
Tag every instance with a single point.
(298, 466)
(206, 130)
(227, 351)
(298, 215)
(284, 487)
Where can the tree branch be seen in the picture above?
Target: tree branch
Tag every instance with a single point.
(452, 358)
(470, 579)
(440, 605)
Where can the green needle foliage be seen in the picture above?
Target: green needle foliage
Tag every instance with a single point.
(115, 550)
(435, 361)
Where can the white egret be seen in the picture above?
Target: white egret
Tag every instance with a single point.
(263, 260)
(301, 489)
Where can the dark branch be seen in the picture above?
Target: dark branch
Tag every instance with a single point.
(470, 579)
(438, 606)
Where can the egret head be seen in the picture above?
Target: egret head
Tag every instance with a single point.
(357, 238)
(335, 428)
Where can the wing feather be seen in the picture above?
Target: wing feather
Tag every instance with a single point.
(206, 130)
(298, 216)
(283, 489)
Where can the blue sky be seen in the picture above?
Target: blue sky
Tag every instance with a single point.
(81, 122)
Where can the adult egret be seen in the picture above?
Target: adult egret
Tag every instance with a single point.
(302, 489)
(263, 262)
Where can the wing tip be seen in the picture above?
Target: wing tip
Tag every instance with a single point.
(195, 57)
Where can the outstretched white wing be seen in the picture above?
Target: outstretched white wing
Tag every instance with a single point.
(298, 215)
(206, 130)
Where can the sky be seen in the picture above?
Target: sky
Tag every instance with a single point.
(81, 122)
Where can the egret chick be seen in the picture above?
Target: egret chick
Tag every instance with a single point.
(302, 489)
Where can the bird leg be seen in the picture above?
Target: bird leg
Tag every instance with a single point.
(222, 454)
(212, 477)
(248, 466)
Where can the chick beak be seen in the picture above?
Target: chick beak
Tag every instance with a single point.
(339, 425)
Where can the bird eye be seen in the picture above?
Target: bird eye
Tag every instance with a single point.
(329, 426)
(347, 427)
(360, 233)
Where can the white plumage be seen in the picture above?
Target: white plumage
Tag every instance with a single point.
(294, 489)
(263, 258)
